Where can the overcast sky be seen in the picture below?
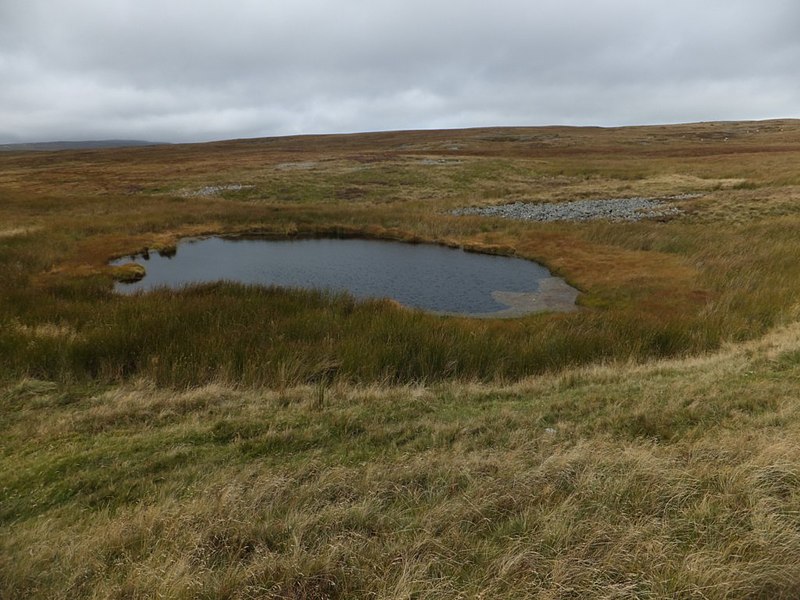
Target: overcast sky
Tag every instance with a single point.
(193, 70)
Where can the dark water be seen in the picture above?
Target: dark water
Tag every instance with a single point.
(423, 276)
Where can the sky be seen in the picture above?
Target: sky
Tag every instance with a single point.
(196, 70)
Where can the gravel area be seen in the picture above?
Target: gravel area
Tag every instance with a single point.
(613, 209)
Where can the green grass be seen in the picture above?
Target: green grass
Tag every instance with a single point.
(615, 482)
(66, 328)
(186, 340)
(228, 441)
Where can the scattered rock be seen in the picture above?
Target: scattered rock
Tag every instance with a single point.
(214, 190)
(297, 166)
(614, 209)
(438, 161)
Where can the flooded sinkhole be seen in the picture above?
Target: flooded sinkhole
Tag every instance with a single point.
(425, 276)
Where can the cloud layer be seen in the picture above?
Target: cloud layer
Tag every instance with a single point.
(182, 70)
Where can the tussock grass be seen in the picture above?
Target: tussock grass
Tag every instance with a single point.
(254, 336)
(671, 479)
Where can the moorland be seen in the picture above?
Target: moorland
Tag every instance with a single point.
(230, 441)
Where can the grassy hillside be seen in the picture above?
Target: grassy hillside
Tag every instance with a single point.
(677, 479)
(237, 442)
(74, 145)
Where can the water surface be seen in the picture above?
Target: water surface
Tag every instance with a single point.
(425, 276)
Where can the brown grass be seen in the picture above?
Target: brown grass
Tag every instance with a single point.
(679, 280)
(165, 446)
(675, 479)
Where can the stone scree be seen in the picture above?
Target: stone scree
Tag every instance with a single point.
(614, 209)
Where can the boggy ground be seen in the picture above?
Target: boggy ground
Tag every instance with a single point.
(724, 270)
(231, 441)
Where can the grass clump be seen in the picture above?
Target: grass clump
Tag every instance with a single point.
(128, 273)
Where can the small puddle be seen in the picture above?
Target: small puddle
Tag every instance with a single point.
(425, 276)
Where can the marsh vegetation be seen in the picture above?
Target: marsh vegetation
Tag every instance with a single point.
(238, 441)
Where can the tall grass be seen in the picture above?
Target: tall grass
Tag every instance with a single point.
(256, 336)
(601, 482)
(726, 270)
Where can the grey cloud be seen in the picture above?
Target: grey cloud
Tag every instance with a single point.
(192, 70)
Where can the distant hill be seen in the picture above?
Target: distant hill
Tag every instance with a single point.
(87, 145)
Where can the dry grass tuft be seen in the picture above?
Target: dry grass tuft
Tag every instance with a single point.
(10, 232)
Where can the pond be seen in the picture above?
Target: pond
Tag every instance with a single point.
(425, 276)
